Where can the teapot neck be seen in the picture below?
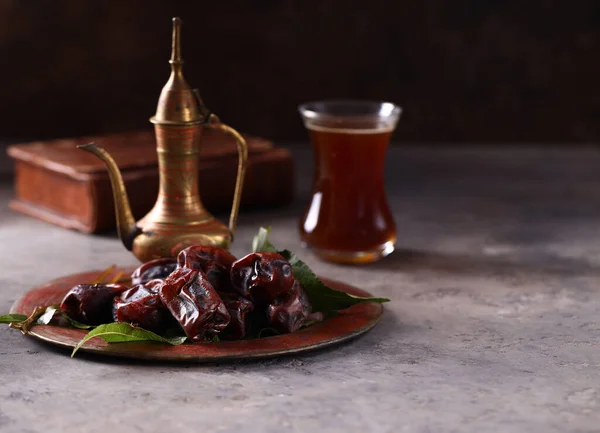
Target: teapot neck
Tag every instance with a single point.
(178, 148)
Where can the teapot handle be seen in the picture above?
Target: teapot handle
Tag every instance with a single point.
(242, 146)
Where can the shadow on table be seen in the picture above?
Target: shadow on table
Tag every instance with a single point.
(530, 265)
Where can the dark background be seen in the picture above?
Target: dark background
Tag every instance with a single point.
(482, 71)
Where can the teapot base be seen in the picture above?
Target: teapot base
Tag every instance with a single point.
(159, 241)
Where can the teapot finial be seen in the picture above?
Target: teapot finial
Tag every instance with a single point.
(176, 42)
(178, 104)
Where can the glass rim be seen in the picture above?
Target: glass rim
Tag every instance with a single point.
(363, 108)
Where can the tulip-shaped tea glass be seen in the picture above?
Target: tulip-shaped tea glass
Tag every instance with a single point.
(348, 219)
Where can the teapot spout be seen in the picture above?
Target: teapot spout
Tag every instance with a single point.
(125, 222)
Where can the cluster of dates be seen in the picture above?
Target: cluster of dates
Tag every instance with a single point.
(205, 290)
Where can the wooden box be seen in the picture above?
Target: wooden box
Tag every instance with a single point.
(65, 186)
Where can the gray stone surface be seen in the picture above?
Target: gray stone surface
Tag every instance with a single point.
(494, 324)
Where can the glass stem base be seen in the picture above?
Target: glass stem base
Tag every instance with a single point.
(354, 257)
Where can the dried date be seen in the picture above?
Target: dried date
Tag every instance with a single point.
(194, 303)
(262, 277)
(158, 268)
(240, 309)
(214, 262)
(91, 303)
(288, 313)
(141, 306)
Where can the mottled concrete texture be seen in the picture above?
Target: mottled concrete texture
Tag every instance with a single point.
(494, 324)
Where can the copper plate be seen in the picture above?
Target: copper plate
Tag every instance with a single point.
(348, 324)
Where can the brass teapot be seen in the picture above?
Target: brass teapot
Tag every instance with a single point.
(178, 218)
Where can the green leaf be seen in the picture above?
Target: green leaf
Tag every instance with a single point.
(261, 242)
(268, 332)
(322, 297)
(10, 318)
(45, 318)
(123, 333)
(25, 325)
(310, 323)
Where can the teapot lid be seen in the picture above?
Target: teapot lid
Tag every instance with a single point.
(178, 103)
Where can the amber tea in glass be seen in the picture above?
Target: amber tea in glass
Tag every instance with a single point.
(348, 219)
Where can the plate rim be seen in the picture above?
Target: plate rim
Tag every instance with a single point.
(117, 350)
